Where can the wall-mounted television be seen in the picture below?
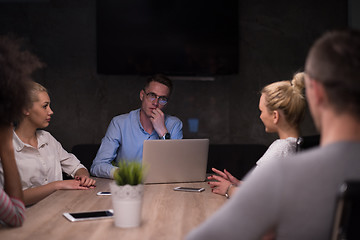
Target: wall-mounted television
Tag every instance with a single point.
(174, 37)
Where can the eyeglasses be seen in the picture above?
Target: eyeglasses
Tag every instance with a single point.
(152, 96)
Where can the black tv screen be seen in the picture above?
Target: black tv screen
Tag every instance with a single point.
(173, 37)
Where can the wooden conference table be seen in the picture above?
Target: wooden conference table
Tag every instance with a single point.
(166, 214)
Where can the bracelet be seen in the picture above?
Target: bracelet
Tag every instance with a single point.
(227, 191)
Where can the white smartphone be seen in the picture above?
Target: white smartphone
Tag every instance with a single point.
(93, 215)
(103, 193)
(189, 189)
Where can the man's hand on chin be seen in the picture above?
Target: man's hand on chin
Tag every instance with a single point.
(158, 121)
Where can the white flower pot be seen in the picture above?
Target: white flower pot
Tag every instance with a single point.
(127, 204)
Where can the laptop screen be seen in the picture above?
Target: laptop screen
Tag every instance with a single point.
(181, 160)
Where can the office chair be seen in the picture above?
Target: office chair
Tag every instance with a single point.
(307, 142)
(347, 214)
(237, 158)
(85, 153)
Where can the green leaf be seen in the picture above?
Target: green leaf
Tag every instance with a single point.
(129, 172)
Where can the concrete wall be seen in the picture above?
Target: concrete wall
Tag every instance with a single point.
(274, 39)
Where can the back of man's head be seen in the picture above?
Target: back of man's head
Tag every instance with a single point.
(334, 60)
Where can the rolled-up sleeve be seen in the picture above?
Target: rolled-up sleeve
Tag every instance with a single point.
(107, 152)
(69, 162)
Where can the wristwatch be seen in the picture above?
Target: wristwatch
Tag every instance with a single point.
(166, 136)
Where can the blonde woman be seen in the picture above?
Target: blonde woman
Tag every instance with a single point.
(40, 157)
(282, 106)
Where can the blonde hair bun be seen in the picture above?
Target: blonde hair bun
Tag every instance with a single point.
(298, 82)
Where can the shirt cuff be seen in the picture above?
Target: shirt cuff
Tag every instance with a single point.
(112, 171)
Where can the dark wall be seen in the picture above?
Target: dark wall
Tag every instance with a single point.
(274, 39)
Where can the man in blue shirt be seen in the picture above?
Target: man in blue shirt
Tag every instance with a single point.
(126, 133)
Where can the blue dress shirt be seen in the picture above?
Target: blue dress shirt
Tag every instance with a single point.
(124, 140)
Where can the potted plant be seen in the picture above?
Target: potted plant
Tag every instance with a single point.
(127, 192)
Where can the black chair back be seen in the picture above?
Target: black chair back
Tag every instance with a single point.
(85, 153)
(347, 214)
(307, 142)
(236, 158)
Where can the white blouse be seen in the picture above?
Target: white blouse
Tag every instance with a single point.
(278, 149)
(44, 164)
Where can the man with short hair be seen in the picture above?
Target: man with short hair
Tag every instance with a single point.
(126, 133)
(296, 197)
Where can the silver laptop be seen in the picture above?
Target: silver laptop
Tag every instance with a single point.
(170, 161)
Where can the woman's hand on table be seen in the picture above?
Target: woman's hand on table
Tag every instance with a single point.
(220, 185)
(227, 176)
(222, 181)
(86, 181)
(72, 184)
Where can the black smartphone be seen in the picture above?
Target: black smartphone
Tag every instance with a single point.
(93, 215)
(189, 189)
(103, 193)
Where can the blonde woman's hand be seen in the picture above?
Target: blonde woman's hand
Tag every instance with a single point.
(86, 181)
(227, 176)
(220, 185)
(70, 185)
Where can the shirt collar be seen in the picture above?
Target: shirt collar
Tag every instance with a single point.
(20, 145)
(137, 114)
